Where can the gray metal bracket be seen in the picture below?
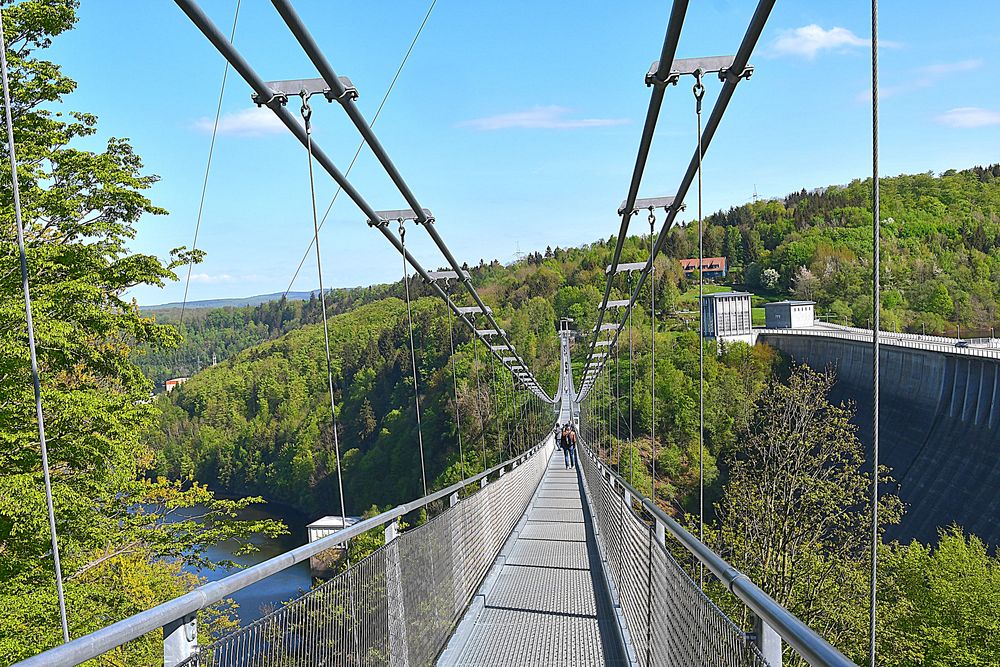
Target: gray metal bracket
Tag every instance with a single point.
(401, 215)
(627, 267)
(721, 65)
(447, 275)
(303, 87)
(482, 333)
(473, 310)
(650, 203)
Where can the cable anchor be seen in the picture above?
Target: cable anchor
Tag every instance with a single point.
(698, 89)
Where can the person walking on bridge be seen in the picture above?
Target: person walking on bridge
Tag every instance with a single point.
(568, 443)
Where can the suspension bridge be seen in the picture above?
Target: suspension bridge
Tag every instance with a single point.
(527, 561)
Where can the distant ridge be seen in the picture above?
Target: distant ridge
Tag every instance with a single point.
(233, 303)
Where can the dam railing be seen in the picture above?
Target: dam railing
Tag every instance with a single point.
(395, 607)
(670, 620)
(988, 347)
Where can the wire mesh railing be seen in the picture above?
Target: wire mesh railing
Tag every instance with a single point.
(398, 605)
(670, 620)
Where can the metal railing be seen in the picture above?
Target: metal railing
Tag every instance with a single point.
(396, 607)
(990, 348)
(668, 617)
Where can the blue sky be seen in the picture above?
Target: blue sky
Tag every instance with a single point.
(516, 123)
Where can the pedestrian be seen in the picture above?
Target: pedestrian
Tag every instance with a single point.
(564, 442)
(571, 436)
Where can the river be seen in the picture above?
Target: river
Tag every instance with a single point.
(275, 589)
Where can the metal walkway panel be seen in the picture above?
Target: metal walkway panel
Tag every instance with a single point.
(550, 554)
(559, 503)
(516, 638)
(567, 532)
(543, 514)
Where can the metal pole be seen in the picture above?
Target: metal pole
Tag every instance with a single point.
(667, 52)
(326, 71)
(740, 62)
(36, 382)
(229, 52)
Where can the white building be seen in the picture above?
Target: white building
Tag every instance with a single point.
(323, 565)
(790, 314)
(726, 316)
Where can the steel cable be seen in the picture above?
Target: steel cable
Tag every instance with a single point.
(454, 378)
(876, 307)
(208, 165)
(361, 145)
(413, 355)
(35, 377)
(699, 94)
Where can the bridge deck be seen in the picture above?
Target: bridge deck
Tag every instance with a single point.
(545, 602)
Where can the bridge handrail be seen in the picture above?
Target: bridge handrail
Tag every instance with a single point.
(108, 638)
(914, 341)
(814, 649)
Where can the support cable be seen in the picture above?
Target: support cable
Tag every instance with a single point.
(413, 356)
(454, 379)
(631, 393)
(361, 145)
(699, 94)
(479, 404)
(652, 342)
(307, 121)
(208, 165)
(877, 303)
(36, 381)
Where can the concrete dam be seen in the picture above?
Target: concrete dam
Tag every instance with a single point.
(939, 415)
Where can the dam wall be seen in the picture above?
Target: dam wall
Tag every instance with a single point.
(939, 425)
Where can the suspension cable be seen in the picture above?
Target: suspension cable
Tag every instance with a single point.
(454, 379)
(631, 392)
(361, 145)
(877, 303)
(652, 327)
(307, 120)
(618, 414)
(699, 94)
(208, 165)
(36, 381)
(413, 354)
(479, 404)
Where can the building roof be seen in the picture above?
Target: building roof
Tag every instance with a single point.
(707, 264)
(789, 302)
(716, 295)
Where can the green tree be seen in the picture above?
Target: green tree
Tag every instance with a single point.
(794, 512)
(121, 548)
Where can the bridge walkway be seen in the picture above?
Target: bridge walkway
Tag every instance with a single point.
(545, 600)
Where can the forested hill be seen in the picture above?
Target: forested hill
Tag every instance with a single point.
(940, 249)
(259, 422)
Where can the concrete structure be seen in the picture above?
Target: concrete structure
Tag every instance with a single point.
(790, 314)
(322, 565)
(726, 317)
(939, 420)
(174, 383)
(711, 267)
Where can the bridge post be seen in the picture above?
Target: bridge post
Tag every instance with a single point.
(398, 645)
(180, 640)
(768, 641)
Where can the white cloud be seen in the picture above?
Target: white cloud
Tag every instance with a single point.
(941, 70)
(809, 40)
(251, 122)
(547, 117)
(210, 279)
(923, 77)
(969, 117)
